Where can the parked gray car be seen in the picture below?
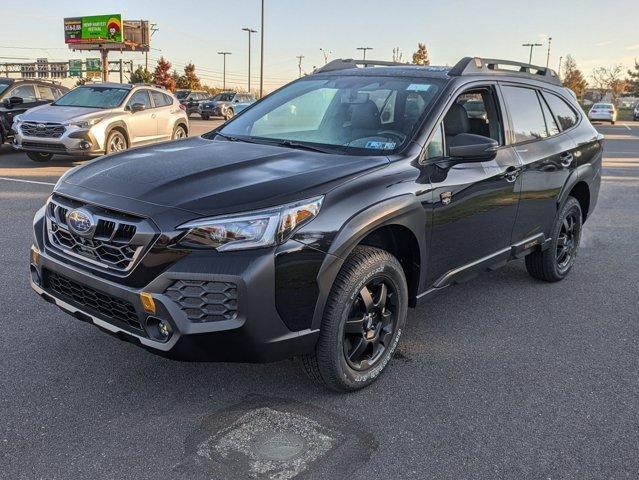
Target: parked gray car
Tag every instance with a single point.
(225, 104)
(92, 120)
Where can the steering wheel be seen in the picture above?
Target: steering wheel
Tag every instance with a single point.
(400, 137)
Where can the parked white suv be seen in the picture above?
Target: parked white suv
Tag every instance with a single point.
(95, 119)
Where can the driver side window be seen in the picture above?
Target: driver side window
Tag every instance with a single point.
(141, 96)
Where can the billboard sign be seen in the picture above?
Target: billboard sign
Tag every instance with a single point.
(94, 29)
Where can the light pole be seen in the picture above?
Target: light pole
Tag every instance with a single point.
(262, 53)
(559, 71)
(326, 55)
(299, 63)
(548, 54)
(249, 30)
(224, 68)
(531, 45)
(363, 49)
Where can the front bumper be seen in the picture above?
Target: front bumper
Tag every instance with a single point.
(211, 111)
(74, 141)
(256, 333)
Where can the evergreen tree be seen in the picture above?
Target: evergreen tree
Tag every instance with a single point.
(190, 80)
(141, 75)
(633, 80)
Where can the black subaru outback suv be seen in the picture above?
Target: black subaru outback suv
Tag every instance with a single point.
(307, 225)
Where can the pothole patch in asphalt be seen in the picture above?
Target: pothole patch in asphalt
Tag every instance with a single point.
(275, 439)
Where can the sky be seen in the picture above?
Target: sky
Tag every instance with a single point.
(596, 33)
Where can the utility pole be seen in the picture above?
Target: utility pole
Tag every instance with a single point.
(262, 53)
(224, 54)
(363, 49)
(531, 45)
(104, 57)
(249, 31)
(548, 54)
(154, 30)
(121, 71)
(299, 63)
(559, 70)
(326, 55)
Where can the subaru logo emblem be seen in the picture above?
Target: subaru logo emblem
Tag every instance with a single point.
(40, 126)
(81, 222)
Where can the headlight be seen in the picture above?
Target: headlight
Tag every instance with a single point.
(263, 228)
(17, 119)
(84, 123)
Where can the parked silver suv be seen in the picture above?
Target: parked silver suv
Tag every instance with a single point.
(95, 119)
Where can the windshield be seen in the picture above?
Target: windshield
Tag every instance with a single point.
(360, 114)
(3, 87)
(180, 94)
(225, 97)
(93, 97)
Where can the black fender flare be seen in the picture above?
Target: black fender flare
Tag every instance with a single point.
(180, 122)
(404, 210)
(117, 124)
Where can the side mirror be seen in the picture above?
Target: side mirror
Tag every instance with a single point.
(11, 101)
(469, 146)
(137, 107)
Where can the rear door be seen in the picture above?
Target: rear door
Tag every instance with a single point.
(163, 105)
(142, 125)
(547, 157)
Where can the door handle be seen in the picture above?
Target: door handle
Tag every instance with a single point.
(511, 174)
(566, 159)
(153, 115)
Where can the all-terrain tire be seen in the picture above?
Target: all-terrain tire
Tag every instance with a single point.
(327, 365)
(546, 265)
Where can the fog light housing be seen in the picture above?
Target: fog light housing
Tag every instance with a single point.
(85, 145)
(35, 255)
(159, 329)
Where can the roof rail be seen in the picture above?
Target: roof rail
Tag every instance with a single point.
(344, 63)
(491, 66)
(33, 79)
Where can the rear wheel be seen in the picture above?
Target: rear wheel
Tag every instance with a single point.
(116, 142)
(40, 156)
(179, 132)
(554, 263)
(363, 321)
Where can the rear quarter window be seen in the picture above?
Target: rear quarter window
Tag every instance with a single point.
(565, 115)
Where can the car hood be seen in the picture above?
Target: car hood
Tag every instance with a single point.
(59, 114)
(212, 177)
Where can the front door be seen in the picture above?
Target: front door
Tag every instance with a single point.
(29, 100)
(474, 202)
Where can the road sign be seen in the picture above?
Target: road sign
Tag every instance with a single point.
(75, 68)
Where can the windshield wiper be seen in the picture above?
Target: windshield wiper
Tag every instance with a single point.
(231, 138)
(300, 146)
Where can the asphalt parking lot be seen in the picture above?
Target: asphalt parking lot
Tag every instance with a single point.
(502, 377)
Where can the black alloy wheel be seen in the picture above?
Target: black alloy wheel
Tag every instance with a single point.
(368, 331)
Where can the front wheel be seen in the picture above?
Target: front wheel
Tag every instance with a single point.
(116, 142)
(363, 321)
(204, 116)
(179, 132)
(229, 113)
(40, 156)
(554, 263)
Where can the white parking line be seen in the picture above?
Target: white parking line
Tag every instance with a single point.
(26, 181)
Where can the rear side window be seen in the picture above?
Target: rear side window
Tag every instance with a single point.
(46, 93)
(551, 124)
(564, 114)
(525, 113)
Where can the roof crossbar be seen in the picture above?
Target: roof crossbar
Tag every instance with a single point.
(344, 63)
(491, 66)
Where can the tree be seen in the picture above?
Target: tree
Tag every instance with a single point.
(190, 79)
(176, 78)
(141, 75)
(573, 78)
(81, 81)
(633, 80)
(609, 79)
(420, 57)
(161, 75)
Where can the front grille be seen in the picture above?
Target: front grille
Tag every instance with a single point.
(205, 301)
(58, 147)
(93, 301)
(116, 242)
(42, 130)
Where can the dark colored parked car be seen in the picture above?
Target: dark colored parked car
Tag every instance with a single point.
(191, 99)
(19, 95)
(225, 104)
(308, 225)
